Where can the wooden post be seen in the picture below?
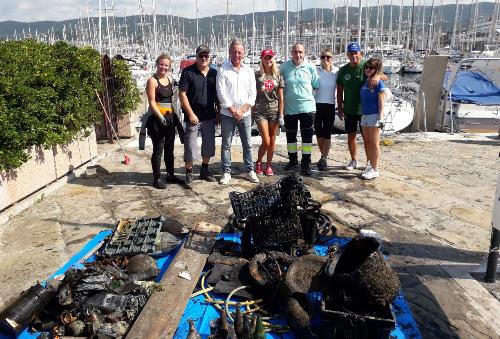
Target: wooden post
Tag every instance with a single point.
(161, 315)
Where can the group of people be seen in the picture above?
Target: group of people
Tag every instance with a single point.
(296, 95)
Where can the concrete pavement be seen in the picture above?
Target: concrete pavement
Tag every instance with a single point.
(432, 204)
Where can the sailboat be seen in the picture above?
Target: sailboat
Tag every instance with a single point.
(399, 114)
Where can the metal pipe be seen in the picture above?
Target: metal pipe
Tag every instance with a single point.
(491, 268)
(451, 115)
(424, 110)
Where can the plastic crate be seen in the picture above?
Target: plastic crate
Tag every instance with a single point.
(274, 229)
(345, 324)
(135, 236)
(289, 191)
(256, 201)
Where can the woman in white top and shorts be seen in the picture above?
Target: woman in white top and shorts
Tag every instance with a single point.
(325, 105)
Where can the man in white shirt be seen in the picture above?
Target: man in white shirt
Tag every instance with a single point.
(236, 90)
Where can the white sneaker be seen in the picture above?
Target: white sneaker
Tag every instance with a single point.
(370, 174)
(226, 178)
(367, 167)
(252, 177)
(352, 165)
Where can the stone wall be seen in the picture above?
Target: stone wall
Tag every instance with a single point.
(45, 167)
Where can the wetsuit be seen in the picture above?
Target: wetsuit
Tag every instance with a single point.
(162, 136)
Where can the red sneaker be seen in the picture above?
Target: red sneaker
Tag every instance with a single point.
(269, 170)
(258, 168)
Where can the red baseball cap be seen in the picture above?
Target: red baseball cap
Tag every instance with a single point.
(266, 52)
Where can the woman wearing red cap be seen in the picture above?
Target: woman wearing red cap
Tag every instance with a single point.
(268, 109)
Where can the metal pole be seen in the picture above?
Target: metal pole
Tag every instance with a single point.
(491, 268)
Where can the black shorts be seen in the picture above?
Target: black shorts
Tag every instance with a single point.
(323, 123)
(351, 123)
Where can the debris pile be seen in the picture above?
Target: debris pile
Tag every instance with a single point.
(101, 297)
(276, 272)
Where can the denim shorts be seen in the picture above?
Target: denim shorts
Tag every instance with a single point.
(370, 120)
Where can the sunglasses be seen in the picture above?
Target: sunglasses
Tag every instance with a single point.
(268, 57)
(326, 57)
(370, 67)
(204, 56)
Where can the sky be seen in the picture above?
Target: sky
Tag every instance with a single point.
(58, 10)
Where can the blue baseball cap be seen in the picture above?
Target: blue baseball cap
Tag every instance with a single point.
(353, 47)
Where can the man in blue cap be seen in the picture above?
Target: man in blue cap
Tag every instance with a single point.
(350, 79)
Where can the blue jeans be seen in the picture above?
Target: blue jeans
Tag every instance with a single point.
(228, 125)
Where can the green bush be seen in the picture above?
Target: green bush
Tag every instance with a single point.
(47, 96)
(126, 95)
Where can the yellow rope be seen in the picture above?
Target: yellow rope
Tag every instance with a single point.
(195, 294)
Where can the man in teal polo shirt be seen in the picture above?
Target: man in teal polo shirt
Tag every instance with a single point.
(350, 79)
(300, 79)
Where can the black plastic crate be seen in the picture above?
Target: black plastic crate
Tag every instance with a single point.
(274, 229)
(288, 192)
(135, 236)
(345, 324)
(256, 201)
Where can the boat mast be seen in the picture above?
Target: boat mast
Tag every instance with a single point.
(367, 25)
(377, 42)
(399, 22)
(474, 25)
(227, 29)
(423, 26)
(197, 27)
(155, 36)
(389, 43)
(431, 25)
(286, 30)
(410, 41)
(334, 28)
(253, 28)
(494, 18)
(100, 27)
(346, 24)
(360, 6)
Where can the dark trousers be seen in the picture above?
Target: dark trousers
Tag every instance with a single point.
(306, 133)
(163, 142)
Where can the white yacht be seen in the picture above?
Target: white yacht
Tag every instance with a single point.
(391, 66)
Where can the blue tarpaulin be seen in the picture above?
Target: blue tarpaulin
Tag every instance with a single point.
(202, 313)
(473, 87)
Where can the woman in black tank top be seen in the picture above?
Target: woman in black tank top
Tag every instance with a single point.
(161, 124)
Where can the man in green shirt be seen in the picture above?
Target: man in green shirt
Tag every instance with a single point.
(350, 79)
